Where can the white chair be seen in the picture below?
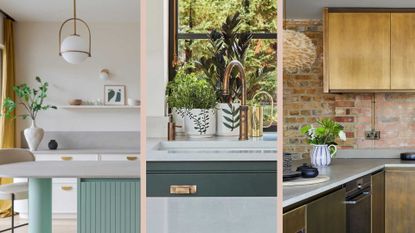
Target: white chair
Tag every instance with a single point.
(15, 191)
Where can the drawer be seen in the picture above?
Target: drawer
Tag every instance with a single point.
(65, 180)
(66, 157)
(119, 157)
(64, 198)
(211, 179)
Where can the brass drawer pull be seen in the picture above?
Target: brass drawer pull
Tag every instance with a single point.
(183, 189)
(66, 188)
(66, 158)
(131, 158)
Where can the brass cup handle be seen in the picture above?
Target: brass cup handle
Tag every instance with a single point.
(183, 189)
(66, 158)
(66, 188)
(272, 105)
(131, 158)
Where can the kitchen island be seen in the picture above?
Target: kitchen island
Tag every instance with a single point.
(116, 179)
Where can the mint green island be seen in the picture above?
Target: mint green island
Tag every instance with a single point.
(108, 194)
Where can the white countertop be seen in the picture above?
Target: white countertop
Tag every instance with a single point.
(72, 169)
(89, 151)
(340, 172)
(228, 149)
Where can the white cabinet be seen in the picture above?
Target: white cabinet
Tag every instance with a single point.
(64, 199)
(67, 157)
(119, 157)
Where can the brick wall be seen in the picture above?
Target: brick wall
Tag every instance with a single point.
(304, 102)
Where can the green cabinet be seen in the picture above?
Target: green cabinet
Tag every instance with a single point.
(108, 206)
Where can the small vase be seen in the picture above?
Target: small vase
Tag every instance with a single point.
(33, 136)
(227, 119)
(53, 145)
(200, 123)
(321, 156)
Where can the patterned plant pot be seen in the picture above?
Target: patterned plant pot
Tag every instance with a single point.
(200, 122)
(227, 116)
(320, 155)
(178, 118)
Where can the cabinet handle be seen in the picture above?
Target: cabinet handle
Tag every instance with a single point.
(131, 158)
(66, 158)
(66, 188)
(183, 189)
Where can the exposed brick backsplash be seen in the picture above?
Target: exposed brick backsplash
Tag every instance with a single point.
(305, 102)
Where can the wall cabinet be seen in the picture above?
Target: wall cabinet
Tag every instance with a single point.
(378, 202)
(399, 200)
(369, 50)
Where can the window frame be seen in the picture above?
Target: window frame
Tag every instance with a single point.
(175, 36)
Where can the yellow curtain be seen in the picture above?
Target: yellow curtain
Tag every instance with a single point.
(7, 126)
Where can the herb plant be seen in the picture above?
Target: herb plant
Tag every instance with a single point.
(31, 99)
(325, 133)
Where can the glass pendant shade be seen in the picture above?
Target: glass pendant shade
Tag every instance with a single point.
(74, 49)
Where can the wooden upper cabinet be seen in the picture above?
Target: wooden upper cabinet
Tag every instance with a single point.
(402, 51)
(357, 51)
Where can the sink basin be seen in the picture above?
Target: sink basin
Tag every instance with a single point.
(219, 145)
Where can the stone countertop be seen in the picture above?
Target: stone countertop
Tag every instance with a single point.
(340, 172)
(89, 151)
(72, 169)
(214, 149)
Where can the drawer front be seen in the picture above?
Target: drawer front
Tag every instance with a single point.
(210, 179)
(119, 157)
(66, 157)
(64, 198)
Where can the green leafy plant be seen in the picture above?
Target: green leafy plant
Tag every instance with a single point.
(325, 133)
(31, 99)
(190, 91)
(231, 116)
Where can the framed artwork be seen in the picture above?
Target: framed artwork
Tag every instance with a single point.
(114, 95)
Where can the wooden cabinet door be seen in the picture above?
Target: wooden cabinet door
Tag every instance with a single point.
(378, 202)
(403, 51)
(400, 200)
(327, 214)
(294, 221)
(357, 51)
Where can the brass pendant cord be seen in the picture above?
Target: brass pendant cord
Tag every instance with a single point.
(174, 62)
(74, 16)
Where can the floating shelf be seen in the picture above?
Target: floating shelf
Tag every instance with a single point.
(98, 107)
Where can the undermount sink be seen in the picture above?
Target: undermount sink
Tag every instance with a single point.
(220, 145)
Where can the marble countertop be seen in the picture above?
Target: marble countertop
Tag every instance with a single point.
(340, 172)
(213, 149)
(72, 169)
(89, 151)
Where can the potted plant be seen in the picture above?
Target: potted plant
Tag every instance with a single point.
(198, 99)
(32, 100)
(323, 140)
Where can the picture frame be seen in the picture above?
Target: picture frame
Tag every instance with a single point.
(114, 95)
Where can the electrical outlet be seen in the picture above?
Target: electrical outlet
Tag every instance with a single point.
(372, 135)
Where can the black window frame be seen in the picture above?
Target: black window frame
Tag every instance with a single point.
(173, 45)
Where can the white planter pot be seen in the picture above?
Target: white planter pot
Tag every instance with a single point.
(227, 119)
(200, 123)
(321, 156)
(34, 136)
(178, 118)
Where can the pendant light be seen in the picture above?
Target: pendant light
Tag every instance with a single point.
(73, 48)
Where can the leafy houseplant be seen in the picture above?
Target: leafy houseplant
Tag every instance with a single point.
(323, 140)
(32, 100)
(196, 98)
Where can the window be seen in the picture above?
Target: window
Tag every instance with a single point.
(192, 20)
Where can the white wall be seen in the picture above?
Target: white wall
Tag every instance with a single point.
(115, 46)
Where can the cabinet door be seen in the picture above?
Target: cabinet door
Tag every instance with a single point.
(327, 214)
(400, 200)
(378, 202)
(357, 51)
(294, 221)
(403, 51)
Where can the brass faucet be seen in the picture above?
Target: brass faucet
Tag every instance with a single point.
(243, 114)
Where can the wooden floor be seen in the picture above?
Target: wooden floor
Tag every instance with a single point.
(59, 226)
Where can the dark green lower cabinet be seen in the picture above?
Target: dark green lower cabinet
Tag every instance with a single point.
(327, 214)
(108, 206)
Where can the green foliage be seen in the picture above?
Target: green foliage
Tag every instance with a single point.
(30, 98)
(190, 91)
(325, 134)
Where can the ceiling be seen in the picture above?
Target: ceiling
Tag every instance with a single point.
(312, 9)
(59, 10)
